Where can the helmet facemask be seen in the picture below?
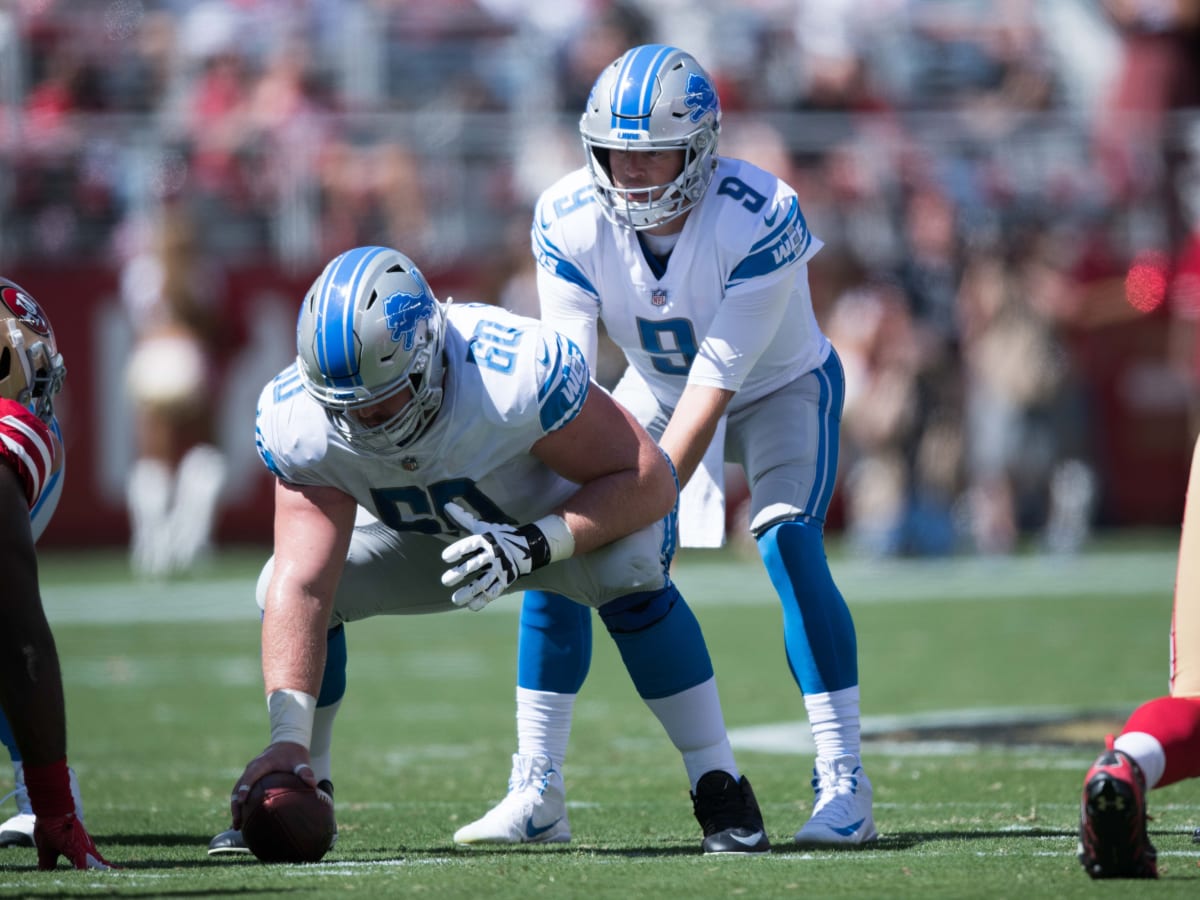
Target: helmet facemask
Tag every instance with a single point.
(423, 378)
(665, 202)
(31, 368)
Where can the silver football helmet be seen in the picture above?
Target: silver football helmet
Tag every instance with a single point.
(653, 98)
(31, 368)
(370, 327)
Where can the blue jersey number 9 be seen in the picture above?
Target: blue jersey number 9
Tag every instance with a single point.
(672, 344)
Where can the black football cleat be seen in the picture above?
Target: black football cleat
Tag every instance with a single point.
(729, 816)
(1112, 820)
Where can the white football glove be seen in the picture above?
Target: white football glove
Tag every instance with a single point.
(488, 561)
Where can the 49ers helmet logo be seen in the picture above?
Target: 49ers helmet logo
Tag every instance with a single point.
(25, 309)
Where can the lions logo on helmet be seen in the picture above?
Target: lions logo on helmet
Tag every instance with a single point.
(405, 313)
(701, 97)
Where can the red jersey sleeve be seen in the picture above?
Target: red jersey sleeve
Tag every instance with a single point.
(26, 447)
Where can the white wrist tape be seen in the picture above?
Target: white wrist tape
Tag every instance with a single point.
(291, 713)
(558, 537)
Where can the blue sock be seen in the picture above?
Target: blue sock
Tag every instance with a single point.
(554, 644)
(818, 630)
(660, 641)
(333, 680)
(7, 738)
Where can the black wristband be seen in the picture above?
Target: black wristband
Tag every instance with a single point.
(539, 547)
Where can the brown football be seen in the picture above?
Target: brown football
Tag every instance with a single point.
(285, 820)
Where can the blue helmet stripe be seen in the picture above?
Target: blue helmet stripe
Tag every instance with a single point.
(635, 86)
(335, 317)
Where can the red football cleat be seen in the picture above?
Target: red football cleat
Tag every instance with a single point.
(1112, 820)
(66, 835)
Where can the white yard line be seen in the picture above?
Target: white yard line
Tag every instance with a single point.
(704, 583)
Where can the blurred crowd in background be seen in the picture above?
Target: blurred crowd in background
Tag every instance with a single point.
(1001, 187)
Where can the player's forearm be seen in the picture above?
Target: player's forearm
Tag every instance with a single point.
(687, 436)
(620, 503)
(293, 643)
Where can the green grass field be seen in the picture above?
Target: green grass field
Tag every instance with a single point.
(988, 686)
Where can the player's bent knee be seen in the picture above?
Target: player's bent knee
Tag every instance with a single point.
(637, 612)
(659, 640)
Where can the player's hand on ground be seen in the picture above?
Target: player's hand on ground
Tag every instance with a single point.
(282, 756)
(65, 836)
(486, 562)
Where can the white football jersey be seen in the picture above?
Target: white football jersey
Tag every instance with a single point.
(509, 381)
(29, 448)
(706, 316)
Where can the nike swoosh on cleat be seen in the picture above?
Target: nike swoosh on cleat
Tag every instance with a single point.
(533, 832)
(848, 830)
(749, 840)
(770, 220)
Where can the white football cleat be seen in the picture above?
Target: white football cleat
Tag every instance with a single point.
(534, 812)
(842, 814)
(18, 830)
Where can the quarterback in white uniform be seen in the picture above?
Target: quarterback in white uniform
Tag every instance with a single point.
(697, 267)
(488, 463)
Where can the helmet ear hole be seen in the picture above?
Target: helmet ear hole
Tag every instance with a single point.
(5, 363)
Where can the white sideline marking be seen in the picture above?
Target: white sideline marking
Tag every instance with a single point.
(795, 738)
(954, 578)
(741, 583)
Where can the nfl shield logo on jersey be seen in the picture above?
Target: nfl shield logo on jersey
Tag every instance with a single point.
(658, 297)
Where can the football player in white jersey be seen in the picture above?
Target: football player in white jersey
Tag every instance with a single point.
(31, 472)
(488, 463)
(697, 266)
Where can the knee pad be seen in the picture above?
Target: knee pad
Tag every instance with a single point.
(659, 640)
(637, 612)
(260, 586)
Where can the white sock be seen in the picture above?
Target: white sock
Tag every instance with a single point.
(1146, 751)
(148, 494)
(834, 720)
(696, 726)
(24, 807)
(200, 477)
(544, 724)
(320, 749)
